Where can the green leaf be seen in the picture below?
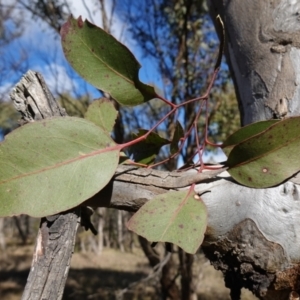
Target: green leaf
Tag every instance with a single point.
(53, 165)
(102, 113)
(104, 62)
(178, 134)
(174, 217)
(146, 151)
(268, 158)
(244, 133)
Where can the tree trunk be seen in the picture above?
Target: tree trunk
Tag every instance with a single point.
(169, 288)
(22, 233)
(260, 250)
(263, 40)
(120, 231)
(187, 279)
(101, 213)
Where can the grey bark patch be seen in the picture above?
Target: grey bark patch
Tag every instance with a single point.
(286, 16)
(262, 57)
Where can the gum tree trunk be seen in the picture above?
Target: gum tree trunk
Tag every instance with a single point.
(263, 41)
(257, 241)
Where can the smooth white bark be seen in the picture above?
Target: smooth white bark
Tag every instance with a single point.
(275, 211)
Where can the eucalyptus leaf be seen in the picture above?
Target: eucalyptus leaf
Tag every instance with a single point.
(146, 151)
(176, 217)
(104, 62)
(244, 133)
(102, 113)
(53, 165)
(268, 158)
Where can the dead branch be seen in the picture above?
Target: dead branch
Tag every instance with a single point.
(56, 236)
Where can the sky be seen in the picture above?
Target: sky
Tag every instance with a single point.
(44, 54)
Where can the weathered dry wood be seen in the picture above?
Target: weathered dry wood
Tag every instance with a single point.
(51, 260)
(56, 236)
(163, 179)
(131, 186)
(32, 98)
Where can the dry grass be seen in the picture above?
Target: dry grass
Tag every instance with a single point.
(100, 277)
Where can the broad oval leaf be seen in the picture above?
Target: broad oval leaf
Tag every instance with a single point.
(146, 151)
(104, 62)
(176, 217)
(102, 113)
(244, 133)
(268, 158)
(53, 165)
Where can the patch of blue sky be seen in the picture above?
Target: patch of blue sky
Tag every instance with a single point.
(39, 49)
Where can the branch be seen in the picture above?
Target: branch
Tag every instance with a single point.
(162, 179)
(252, 234)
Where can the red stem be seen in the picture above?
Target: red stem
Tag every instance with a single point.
(174, 108)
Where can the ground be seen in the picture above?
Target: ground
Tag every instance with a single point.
(103, 277)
